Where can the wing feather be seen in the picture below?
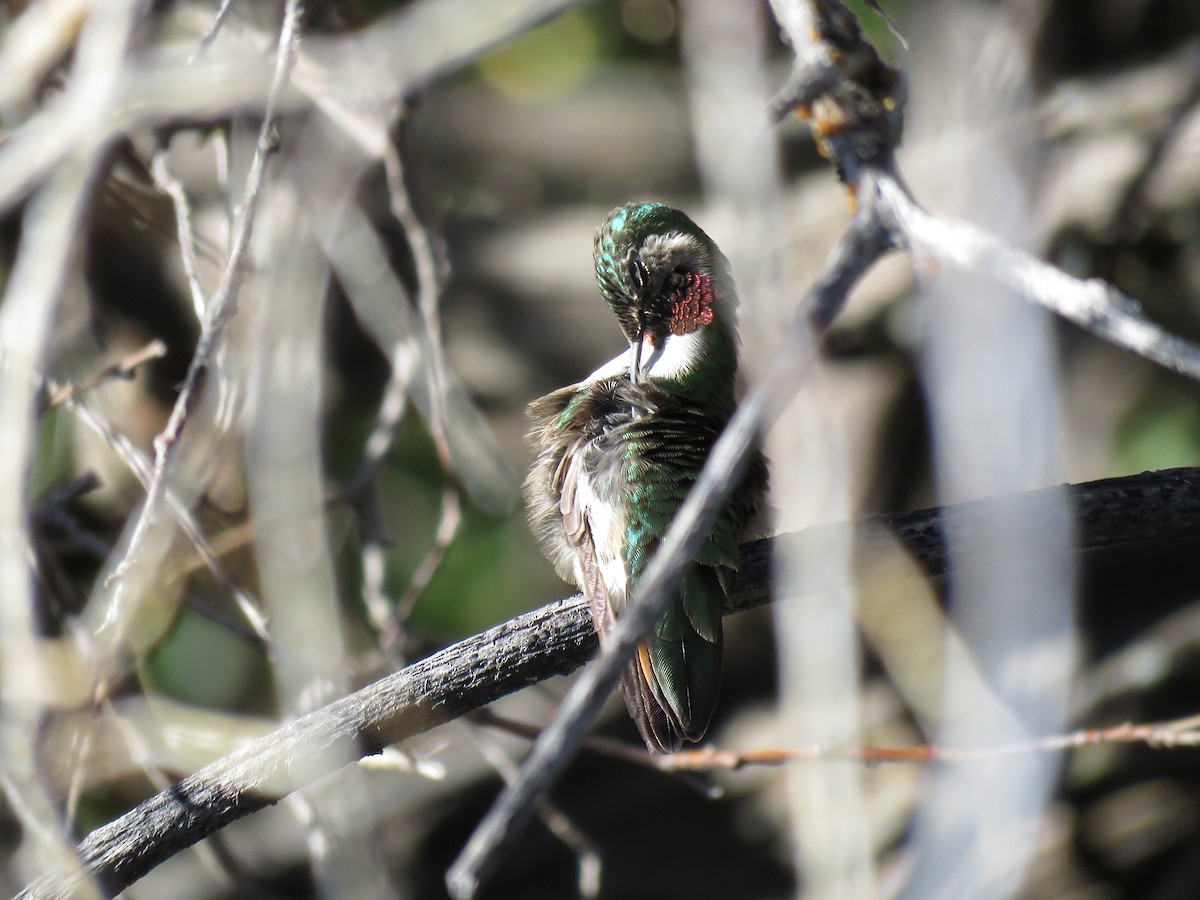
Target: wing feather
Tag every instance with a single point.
(607, 484)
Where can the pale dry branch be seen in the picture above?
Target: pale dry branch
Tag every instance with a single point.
(170, 185)
(1095, 306)
(221, 307)
(50, 229)
(208, 555)
(448, 523)
(125, 367)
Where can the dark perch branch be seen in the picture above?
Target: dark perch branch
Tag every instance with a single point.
(553, 640)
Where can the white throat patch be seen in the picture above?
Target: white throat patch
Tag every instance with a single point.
(673, 358)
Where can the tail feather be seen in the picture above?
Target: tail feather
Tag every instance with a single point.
(671, 688)
(645, 707)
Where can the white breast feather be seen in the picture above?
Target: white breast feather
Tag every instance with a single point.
(608, 535)
(673, 357)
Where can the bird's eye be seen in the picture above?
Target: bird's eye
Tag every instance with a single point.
(637, 273)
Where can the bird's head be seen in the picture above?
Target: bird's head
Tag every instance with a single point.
(660, 274)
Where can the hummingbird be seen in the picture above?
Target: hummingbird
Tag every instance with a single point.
(617, 453)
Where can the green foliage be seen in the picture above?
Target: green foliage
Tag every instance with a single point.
(51, 465)
(1161, 431)
(203, 663)
(546, 62)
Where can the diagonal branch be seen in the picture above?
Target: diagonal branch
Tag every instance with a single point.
(1092, 304)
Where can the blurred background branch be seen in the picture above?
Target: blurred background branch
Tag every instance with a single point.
(418, 270)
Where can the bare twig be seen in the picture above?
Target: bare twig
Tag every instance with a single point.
(597, 744)
(449, 521)
(1177, 733)
(218, 21)
(429, 289)
(122, 368)
(169, 185)
(219, 310)
(429, 285)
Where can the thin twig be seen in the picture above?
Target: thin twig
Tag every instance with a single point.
(122, 368)
(449, 521)
(600, 746)
(220, 309)
(139, 465)
(211, 35)
(1183, 732)
(169, 185)
(430, 280)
